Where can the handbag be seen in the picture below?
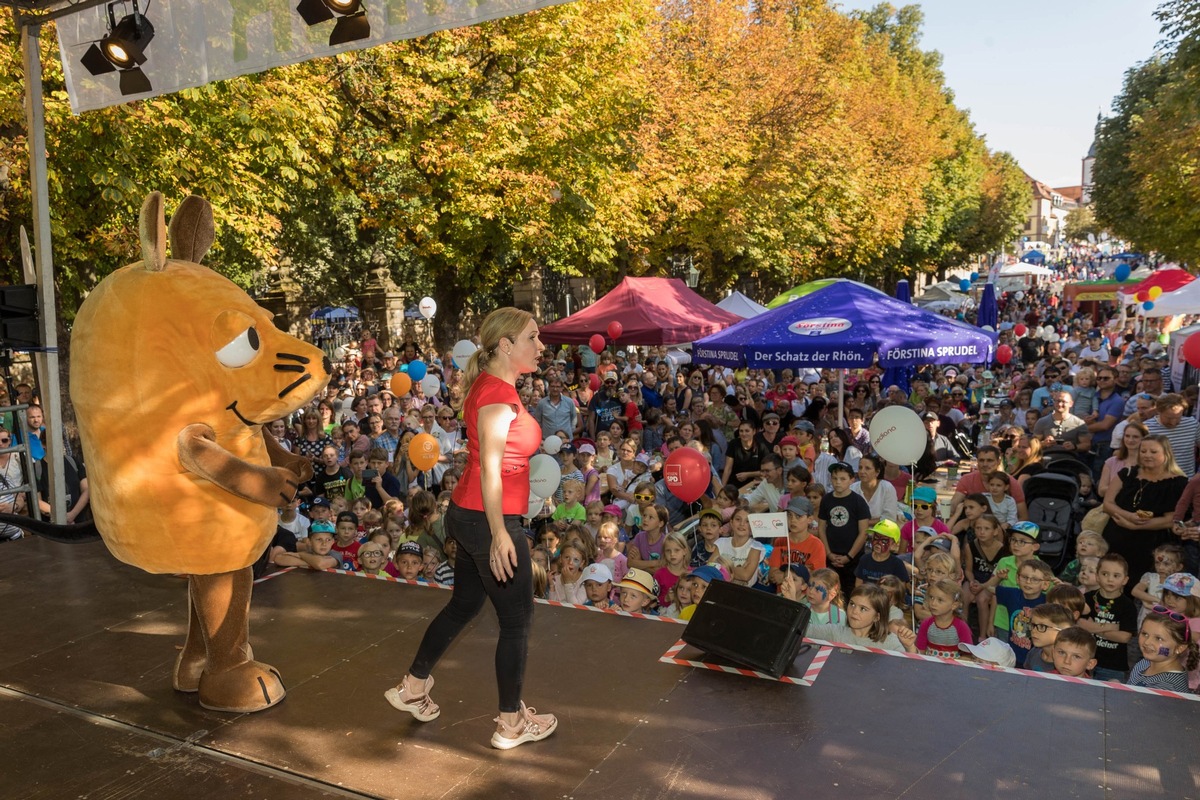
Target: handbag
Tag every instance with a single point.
(1095, 520)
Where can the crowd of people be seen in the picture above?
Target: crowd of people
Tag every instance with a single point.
(870, 549)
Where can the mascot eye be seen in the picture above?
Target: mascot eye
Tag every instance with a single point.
(241, 351)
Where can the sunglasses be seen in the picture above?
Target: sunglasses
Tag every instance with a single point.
(922, 505)
(643, 498)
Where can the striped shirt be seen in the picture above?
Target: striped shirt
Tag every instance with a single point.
(1183, 438)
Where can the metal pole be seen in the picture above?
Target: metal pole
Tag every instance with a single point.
(46, 360)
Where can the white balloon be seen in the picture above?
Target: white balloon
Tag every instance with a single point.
(462, 352)
(1054, 337)
(552, 444)
(898, 435)
(536, 504)
(427, 307)
(1020, 296)
(989, 329)
(339, 354)
(431, 384)
(544, 475)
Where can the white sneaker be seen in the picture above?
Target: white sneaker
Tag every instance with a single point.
(530, 727)
(419, 705)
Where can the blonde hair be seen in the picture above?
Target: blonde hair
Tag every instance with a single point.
(944, 559)
(1169, 465)
(1096, 539)
(503, 323)
(572, 483)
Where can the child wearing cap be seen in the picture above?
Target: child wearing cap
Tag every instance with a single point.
(637, 592)
(789, 451)
(320, 540)
(1023, 543)
(991, 651)
(882, 539)
(1181, 594)
(407, 563)
(346, 542)
(699, 580)
(800, 547)
(924, 508)
(597, 583)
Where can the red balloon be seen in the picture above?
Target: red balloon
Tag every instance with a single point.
(1004, 354)
(1020, 330)
(594, 382)
(687, 474)
(1142, 297)
(596, 343)
(614, 330)
(1191, 350)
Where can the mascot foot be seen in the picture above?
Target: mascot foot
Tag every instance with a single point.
(248, 687)
(188, 670)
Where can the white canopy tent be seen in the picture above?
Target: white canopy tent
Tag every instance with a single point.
(1021, 268)
(740, 304)
(1184, 300)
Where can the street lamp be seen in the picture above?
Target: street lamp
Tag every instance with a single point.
(684, 267)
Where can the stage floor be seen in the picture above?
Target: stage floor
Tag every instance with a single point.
(86, 708)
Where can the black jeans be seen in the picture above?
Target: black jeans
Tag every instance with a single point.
(473, 583)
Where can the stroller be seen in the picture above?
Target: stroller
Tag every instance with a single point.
(1050, 498)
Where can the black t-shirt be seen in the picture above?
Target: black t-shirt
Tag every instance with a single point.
(325, 485)
(745, 459)
(842, 516)
(1122, 611)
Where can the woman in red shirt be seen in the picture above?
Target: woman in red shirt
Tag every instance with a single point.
(485, 519)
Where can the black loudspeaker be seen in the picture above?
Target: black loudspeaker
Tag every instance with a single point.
(751, 627)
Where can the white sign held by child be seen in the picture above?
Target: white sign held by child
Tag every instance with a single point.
(769, 526)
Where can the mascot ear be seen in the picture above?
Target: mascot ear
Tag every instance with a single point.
(152, 230)
(192, 229)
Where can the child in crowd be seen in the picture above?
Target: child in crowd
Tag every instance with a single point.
(571, 508)
(577, 535)
(597, 586)
(943, 630)
(1088, 580)
(939, 566)
(290, 519)
(867, 612)
(444, 573)
(1089, 544)
(1111, 618)
(929, 541)
(423, 521)
(991, 651)
(407, 563)
(567, 585)
(346, 543)
(1046, 622)
(675, 565)
(883, 538)
(794, 585)
(605, 454)
(797, 481)
(320, 555)
(1024, 541)
(800, 546)
(973, 507)
(371, 558)
(924, 508)
(740, 553)
(570, 471)
(815, 493)
(612, 513)
(1074, 653)
(541, 579)
(591, 521)
(1069, 597)
(679, 598)
(824, 598)
(1168, 559)
(645, 550)
(1168, 652)
(643, 499)
(585, 456)
(1181, 594)
(709, 529)
(607, 552)
(549, 540)
(727, 501)
(789, 451)
(395, 531)
(699, 579)
(1003, 506)
(984, 549)
(637, 591)
(897, 592)
(1033, 579)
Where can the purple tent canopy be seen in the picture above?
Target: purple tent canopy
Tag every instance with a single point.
(844, 325)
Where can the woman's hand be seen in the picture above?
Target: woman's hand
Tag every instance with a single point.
(502, 557)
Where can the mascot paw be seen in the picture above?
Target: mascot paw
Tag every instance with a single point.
(188, 669)
(250, 686)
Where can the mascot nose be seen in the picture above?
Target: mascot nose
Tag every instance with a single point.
(328, 365)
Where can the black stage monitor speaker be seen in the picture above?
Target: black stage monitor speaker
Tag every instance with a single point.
(753, 628)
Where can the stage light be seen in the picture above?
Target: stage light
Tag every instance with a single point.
(122, 49)
(351, 26)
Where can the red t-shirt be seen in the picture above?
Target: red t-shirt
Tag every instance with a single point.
(524, 439)
(810, 553)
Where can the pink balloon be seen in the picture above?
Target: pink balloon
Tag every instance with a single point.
(596, 343)
(614, 330)
(594, 382)
(687, 474)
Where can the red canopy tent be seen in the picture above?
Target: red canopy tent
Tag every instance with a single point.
(650, 310)
(1168, 279)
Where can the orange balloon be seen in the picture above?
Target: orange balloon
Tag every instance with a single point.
(423, 451)
(401, 384)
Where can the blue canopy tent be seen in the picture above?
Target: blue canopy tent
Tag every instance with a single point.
(988, 313)
(900, 376)
(845, 326)
(1034, 257)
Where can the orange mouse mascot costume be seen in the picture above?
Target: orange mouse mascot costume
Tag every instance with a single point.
(174, 372)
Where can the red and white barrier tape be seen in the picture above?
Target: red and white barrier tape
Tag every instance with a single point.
(810, 674)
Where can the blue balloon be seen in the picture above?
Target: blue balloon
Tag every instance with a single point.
(1121, 273)
(1148, 305)
(404, 367)
(417, 370)
(964, 284)
(974, 276)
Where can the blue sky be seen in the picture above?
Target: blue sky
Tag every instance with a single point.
(1034, 73)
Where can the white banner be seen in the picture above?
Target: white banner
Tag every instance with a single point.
(200, 41)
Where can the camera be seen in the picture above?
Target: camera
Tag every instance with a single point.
(370, 474)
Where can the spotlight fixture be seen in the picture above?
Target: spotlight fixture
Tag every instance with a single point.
(351, 25)
(123, 50)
